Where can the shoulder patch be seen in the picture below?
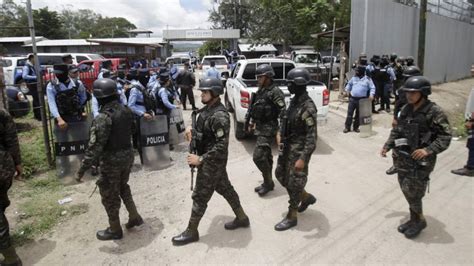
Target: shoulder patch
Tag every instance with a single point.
(281, 103)
(220, 133)
(309, 121)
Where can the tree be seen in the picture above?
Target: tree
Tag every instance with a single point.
(232, 14)
(48, 24)
(210, 48)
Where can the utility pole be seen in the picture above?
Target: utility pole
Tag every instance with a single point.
(422, 35)
(332, 53)
(44, 118)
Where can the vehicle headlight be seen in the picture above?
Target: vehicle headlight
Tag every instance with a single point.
(21, 97)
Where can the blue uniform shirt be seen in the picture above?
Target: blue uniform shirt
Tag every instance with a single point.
(135, 100)
(163, 93)
(51, 93)
(28, 73)
(358, 87)
(213, 73)
(95, 103)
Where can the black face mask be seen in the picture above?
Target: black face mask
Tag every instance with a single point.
(62, 77)
(295, 89)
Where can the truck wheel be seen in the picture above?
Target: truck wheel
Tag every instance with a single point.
(239, 129)
(227, 103)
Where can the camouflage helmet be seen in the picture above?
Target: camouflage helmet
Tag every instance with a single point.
(411, 71)
(211, 84)
(298, 76)
(104, 88)
(265, 70)
(418, 83)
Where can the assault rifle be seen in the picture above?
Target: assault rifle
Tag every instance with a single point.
(249, 112)
(193, 145)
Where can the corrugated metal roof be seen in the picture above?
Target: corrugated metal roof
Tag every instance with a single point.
(63, 42)
(200, 34)
(257, 48)
(20, 39)
(152, 41)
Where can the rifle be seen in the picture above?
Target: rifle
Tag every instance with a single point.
(406, 146)
(283, 133)
(249, 112)
(193, 145)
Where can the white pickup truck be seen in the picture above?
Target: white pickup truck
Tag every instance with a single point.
(243, 82)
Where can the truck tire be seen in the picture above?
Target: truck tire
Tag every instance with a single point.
(239, 129)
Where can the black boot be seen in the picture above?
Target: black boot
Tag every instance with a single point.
(11, 258)
(306, 200)
(189, 235)
(392, 170)
(242, 220)
(114, 232)
(289, 221)
(258, 188)
(132, 222)
(403, 227)
(134, 219)
(416, 227)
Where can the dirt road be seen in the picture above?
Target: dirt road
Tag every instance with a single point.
(353, 221)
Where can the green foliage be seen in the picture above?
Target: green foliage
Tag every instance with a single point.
(211, 48)
(73, 24)
(459, 130)
(40, 211)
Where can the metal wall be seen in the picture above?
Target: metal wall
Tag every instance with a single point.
(389, 27)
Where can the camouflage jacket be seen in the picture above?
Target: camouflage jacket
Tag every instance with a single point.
(213, 125)
(9, 147)
(267, 108)
(434, 132)
(102, 131)
(299, 127)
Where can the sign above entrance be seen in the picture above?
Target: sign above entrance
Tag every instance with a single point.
(198, 34)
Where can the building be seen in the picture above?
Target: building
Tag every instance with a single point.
(15, 45)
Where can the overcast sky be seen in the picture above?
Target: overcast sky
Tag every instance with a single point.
(145, 14)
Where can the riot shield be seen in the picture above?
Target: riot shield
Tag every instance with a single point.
(176, 129)
(470, 106)
(365, 118)
(154, 143)
(70, 145)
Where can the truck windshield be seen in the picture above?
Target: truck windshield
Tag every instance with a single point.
(307, 58)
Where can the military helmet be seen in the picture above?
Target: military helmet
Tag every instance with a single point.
(298, 76)
(418, 83)
(60, 69)
(106, 73)
(410, 60)
(265, 70)
(104, 88)
(393, 56)
(411, 71)
(211, 84)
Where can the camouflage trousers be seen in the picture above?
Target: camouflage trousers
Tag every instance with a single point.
(113, 187)
(212, 177)
(293, 181)
(413, 189)
(262, 156)
(5, 241)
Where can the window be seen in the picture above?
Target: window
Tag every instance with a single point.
(63, 49)
(249, 72)
(50, 60)
(278, 68)
(288, 67)
(236, 70)
(307, 58)
(80, 58)
(21, 62)
(5, 63)
(218, 61)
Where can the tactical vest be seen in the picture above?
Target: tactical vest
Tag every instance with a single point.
(296, 125)
(159, 102)
(410, 121)
(206, 136)
(148, 100)
(67, 101)
(121, 131)
(382, 75)
(263, 109)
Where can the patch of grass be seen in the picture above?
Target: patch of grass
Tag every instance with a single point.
(458, 126)
(32, 151)
(40, 212)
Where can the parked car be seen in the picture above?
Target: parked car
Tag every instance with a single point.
(18, 104)
(221, 63)
(243, 82)
(335, 64)
(267, 56)
(179, 61)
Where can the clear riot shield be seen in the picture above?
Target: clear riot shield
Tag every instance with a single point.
(470, 106)
(365, 118)
(70, 145)
(154, 143)
(176, 129)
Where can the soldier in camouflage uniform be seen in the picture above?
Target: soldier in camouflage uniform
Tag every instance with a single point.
(264, 112)
(10, 162)
(421, 133)
(110, 143)
(298, 141)
(212, 141)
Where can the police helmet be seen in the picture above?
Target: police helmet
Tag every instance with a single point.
(360, 69)
(164, 77)
(60, 69)
(106, 73)
(104, 88)
(265, 70)
(418, 83)
(393, 56)
(411, 71)
(410, 60)
(298, 76)
(211, 84)
(363, 61)
(106, 64)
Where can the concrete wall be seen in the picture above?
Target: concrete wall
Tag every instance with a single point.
(389, 27)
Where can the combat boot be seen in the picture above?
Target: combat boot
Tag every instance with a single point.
(189, 235)
(256, 189)
(417, 226)
(114, 232)
(265, 189)
(289, 221)
(306, 200)
(134, 219)
(242, 220)
(11, 258)
(392, 170)
(403, 227)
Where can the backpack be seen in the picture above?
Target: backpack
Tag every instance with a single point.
(148, 99)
